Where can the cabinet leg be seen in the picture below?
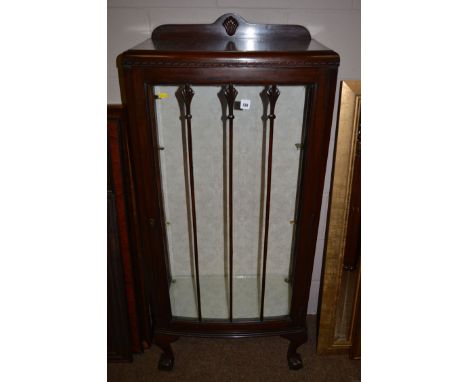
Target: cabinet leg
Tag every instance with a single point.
(163, 341)
(295, 340)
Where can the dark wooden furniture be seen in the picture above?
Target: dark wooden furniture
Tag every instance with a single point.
(127, 330)
(227, 54)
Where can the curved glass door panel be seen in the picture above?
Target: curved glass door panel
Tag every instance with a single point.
(284, 178)
(171, 139)
(197, 144)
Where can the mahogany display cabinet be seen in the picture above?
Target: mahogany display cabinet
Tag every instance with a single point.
(229, 130)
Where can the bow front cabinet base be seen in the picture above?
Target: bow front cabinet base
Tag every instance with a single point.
(229, 128)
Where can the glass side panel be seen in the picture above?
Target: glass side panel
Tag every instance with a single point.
(174, 174)
(210, 148)
(284, 177)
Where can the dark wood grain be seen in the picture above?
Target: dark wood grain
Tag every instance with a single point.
(118, 185)
(134, 236)
(229, 32)
(118, 329)
(167, 59)
(166, 361)
(296, 339)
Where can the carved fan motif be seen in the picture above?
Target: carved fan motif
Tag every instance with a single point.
(230, 24)
(230, 92)
(273, 94)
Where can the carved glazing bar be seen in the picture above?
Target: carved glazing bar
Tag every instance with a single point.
(187, 95)
(230, 92)
(272, 94)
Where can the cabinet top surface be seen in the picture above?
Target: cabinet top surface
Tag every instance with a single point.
(231, 34)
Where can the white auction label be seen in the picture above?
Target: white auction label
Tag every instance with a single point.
(245, 104)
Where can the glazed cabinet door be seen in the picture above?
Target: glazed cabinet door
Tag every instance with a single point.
(229, 160)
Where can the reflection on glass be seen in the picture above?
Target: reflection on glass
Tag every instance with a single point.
(287, 133)
(172, 138)
(247, 167)
(346, 304)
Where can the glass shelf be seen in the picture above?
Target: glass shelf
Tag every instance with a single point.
(215, 299)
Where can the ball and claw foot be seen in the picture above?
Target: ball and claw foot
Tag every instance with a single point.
(294, 361)
(295, 340)
(166, 362)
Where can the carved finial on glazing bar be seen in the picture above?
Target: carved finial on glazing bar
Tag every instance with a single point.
(273, 94)
(230, 93)
(187, 95)
(230, 24)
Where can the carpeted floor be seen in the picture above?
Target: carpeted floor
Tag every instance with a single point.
(252, 359)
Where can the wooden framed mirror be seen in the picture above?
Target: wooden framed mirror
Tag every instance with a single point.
(339, 317)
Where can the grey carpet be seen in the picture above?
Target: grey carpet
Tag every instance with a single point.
(252, 359)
